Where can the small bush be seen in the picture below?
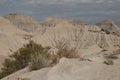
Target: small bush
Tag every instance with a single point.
(21, 58)
(64, 50)
(68, 53)
(9, 67)
(54, 59)
(39, 61)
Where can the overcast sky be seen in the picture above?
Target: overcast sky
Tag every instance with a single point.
(87, 10)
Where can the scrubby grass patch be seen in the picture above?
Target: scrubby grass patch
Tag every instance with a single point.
(36, 57)
(39, 61)
(31, 53)
(64, 50)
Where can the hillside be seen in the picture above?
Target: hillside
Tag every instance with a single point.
(11, 38)
(92, 42)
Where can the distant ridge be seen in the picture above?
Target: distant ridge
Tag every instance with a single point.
(28, 24)
(23, 22)
(53, 21)
(109, 26)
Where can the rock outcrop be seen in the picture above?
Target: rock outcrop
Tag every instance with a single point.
(74, 69)
(109, 27)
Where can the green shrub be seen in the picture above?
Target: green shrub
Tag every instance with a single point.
(21, 58)
(9, 67)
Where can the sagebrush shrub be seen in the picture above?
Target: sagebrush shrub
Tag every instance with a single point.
(21, 58)
(36, 57)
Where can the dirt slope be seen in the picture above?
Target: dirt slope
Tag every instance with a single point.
(11, 38)
(74, 69)
(16, 30)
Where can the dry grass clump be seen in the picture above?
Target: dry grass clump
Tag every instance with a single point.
(68, 53)
(64, 50)
(39, 61)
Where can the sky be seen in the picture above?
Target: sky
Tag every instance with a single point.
(90, 11)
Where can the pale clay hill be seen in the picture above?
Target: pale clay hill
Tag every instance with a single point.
(11, 38)
(91, 41)
(23, 22)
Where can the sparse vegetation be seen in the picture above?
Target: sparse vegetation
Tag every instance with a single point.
(39, 61)
(108, 62)
(68, 53)
(110, 58)
(30, 53)
(36, 57)
(65, 47)
(64, 50)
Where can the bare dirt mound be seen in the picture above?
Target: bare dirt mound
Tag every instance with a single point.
(10, 36)
(23, 22)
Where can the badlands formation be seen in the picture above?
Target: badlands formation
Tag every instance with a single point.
(92, 41)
